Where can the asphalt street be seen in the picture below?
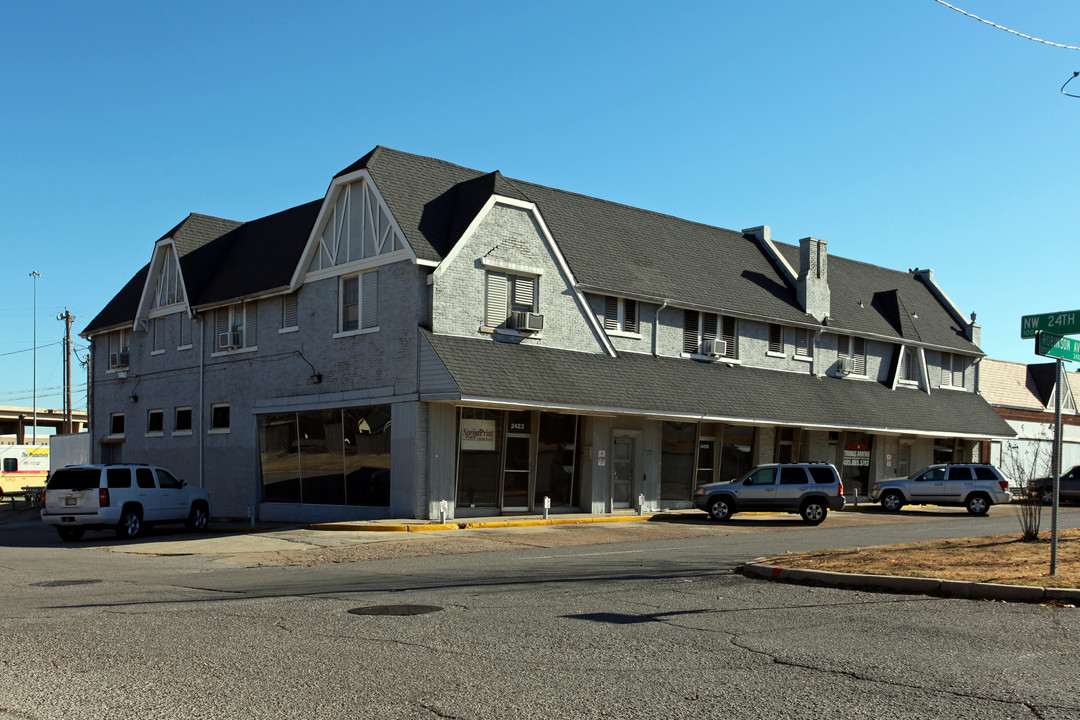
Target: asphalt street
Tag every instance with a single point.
(643, 620)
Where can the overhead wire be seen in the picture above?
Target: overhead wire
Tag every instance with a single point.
(1008, 30)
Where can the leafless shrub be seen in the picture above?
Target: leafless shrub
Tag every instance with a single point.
(1023, 468)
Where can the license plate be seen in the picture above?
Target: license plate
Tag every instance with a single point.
(70, 501)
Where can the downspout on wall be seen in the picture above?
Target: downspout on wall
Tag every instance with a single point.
(656, 327)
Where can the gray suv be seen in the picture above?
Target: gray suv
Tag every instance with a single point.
(975, 486)
(810, 489)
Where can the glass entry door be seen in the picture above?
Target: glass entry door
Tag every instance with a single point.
(516, 473)
(622, 470)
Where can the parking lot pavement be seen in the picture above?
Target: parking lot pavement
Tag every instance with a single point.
(240, 544)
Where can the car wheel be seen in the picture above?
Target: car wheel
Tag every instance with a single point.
(130, 524)
(813, 512)
(978, 504)
(70, 534)
(720, 509)
(198, 519)
(892, 501)
(1048, 496)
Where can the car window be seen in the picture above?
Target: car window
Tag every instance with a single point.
(118, 477)
(937, 473)
(144, 477)
(822, 475)
(166, 480)
(764, 476)
(75, 479)
(985, 473)
(793, 476)
(960, 473)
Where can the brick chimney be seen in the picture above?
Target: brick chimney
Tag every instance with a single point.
(813, 283)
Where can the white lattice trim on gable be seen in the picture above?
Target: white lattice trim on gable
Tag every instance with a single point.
(355, 229)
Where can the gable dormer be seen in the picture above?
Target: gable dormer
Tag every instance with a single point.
(355, 229)
(165, 290)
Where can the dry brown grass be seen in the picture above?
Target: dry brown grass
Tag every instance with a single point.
(995, 559)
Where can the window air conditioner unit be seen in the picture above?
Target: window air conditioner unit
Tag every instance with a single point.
(844, 365)
(229, 340)
(527, 321)
(714, 347)
(118, 359)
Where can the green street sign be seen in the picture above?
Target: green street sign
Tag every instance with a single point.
(1063, 323)
(1057, 346)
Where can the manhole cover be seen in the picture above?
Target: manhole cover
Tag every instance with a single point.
(63, 583)
(395, 610)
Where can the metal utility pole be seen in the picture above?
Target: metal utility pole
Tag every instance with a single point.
(35, 274)
(67, 317)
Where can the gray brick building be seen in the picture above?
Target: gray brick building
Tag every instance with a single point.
(430, 333)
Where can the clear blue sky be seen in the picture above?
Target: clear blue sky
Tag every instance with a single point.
(900, 131)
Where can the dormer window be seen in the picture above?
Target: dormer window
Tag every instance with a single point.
(508, 293)
(952, 370)
(909, 365)
(710, 335)
(620, 315)
(851, 355)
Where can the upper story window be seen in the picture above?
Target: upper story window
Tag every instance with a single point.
(119, 347)
(802, 342)
(185, 331)
(116, 424)
(235, 327)
(710, 334)
(909, 365)
(289, 313)
(220, 418)
(952, 370)
(776, 338)
(507, 293)
(182, 420)
(158, 331)
(359, 307)
(155, 421)
(851, 355)
(620, 315)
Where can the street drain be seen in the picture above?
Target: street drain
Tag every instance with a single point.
(395, 610)
(63, 583)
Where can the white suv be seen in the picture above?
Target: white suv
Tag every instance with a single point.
(975, 486)
(125, 497)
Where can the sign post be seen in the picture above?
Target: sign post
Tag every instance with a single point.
(1049, 330)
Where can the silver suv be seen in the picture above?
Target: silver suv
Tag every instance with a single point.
(810, 489)
(975, 486)
(124, 497)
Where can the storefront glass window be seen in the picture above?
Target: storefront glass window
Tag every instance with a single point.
(326, 457)
(855, 471)
(367, 456)
(677, 460)
(737, 454)
(279, 457)
(480, 440)
(555, 450)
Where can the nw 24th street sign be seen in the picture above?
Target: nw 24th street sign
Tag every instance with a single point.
(1063, 323)
(1057, 346)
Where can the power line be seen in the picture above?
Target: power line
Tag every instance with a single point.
(1008, 30)
(31, 349)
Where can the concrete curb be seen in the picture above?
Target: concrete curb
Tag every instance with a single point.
(913, 585)
(472, 525)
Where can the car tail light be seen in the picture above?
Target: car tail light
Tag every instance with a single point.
(42, 499)
(103, 497)
(841, 489)
(1004, 484)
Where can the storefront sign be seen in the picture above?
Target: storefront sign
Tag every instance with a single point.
(856, 458)
(477, 434)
